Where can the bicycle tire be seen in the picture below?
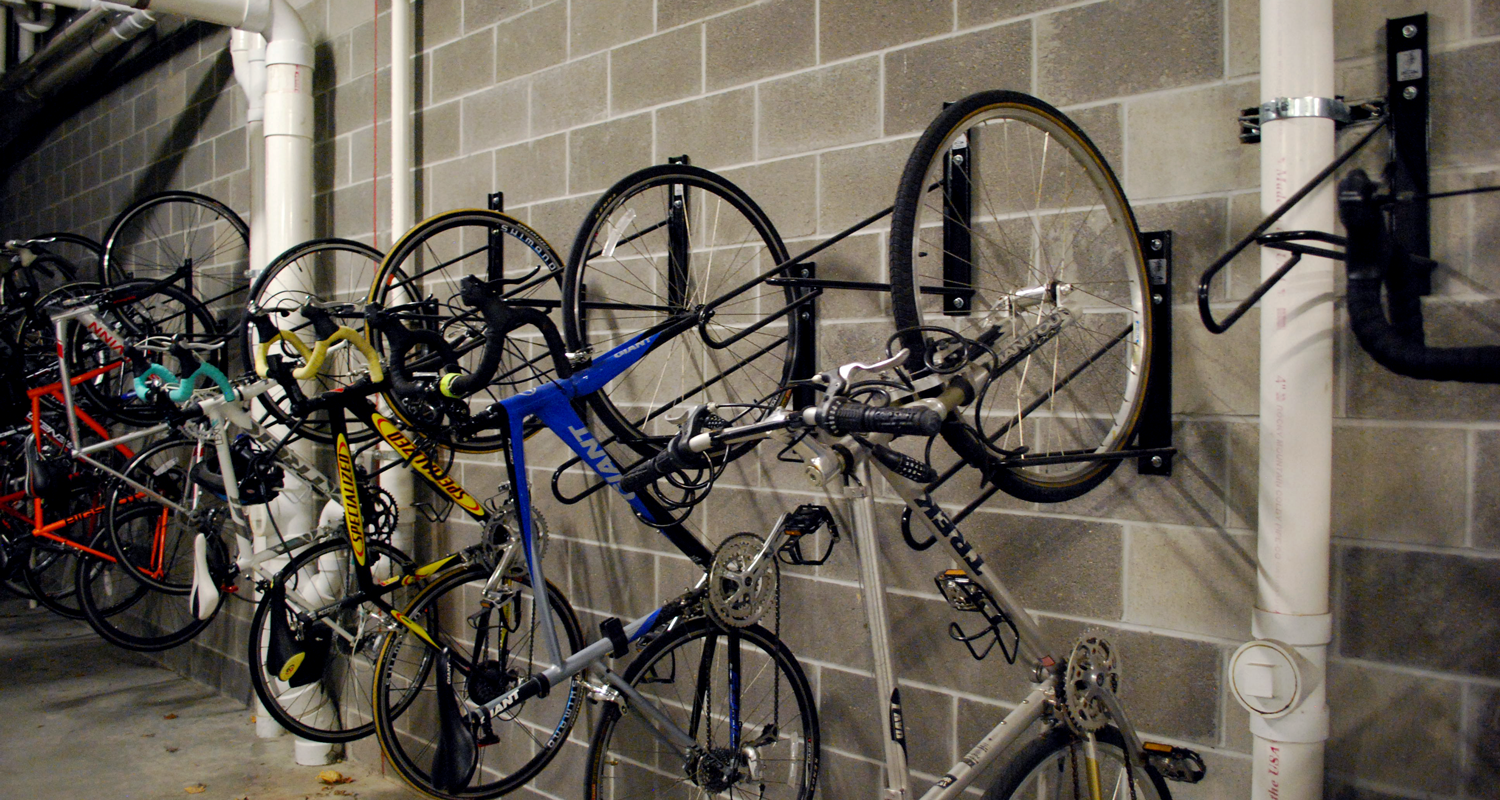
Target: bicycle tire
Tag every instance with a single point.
(158, 311)
(341, 710)
(626, 759)
(1035, 243)
(1050, 760)
(48, 573)
(327, 270)
(420, 281)
(84, 254)
(36, 336)
(162, 558)
(639, 258)
(161, 232)
(128, 613)
(405, 667)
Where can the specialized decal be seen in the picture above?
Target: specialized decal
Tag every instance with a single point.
(419, 462)
(956, 539)
(594, 453)
(349, 492)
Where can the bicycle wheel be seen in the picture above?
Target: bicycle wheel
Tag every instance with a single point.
(528, 735)
(333, 703)
(689, 675)
(36, 336)
(671, 240)
(128, 613)
(1053, 766)
(84, 254)
(326, 270)
(421, 281)
(159, 313)
(160, 555)
(169, 231)
(1010, 229)
(48, 573)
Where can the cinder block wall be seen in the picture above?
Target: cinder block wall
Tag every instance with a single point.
(812, 106)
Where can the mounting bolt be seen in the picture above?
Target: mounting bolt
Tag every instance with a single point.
(806, 272)
(1409, 31)
(1410, 93)
(958, 302)
(958, 158)
(1156, 298)
(1155, 244)
(1156, 461)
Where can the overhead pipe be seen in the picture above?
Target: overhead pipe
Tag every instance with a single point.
(1280, 677)
(38, 19)
(29, 63)
(106, 41)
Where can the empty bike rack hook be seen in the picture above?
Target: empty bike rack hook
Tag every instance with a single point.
(1290, 241)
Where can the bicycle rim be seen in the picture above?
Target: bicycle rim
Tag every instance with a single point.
(421, 279)
(337, 706)
(686, 674)
(670, 240)
(1054, 766)
(1044, 249)
(529, 735)
(167, 231)
(325, 270)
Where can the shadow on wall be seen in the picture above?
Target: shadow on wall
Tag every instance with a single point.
(167, 160)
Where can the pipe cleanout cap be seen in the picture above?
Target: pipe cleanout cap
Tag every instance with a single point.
(1267, 678)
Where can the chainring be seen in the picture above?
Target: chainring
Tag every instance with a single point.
(382, 517)
(505, 521)
(739, 591)
(1092, 659)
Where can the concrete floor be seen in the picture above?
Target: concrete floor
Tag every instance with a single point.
(80, 718)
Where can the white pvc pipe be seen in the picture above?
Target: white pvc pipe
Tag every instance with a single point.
(1296, 403)
(398, 481)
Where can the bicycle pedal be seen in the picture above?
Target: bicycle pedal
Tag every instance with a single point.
(1175, 763)
(799, 527)
(961, 592)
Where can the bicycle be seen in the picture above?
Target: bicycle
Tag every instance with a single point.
(1086, 736)
(470, 671)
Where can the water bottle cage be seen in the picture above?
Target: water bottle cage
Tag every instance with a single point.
(963, 594)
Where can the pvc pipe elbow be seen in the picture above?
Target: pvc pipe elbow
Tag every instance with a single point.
(287, 41)
(37, 21)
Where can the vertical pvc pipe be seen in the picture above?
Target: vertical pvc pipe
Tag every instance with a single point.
(248, 52)
(1296, 402)
(398, 481)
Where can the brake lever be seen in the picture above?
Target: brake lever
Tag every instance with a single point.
(847, 371)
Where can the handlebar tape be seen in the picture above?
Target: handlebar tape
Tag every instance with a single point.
(184, 388)
(843, 417)
(500, 318)
(1370, 255)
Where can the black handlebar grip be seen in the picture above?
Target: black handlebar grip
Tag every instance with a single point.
(647, 472)
(845, 417)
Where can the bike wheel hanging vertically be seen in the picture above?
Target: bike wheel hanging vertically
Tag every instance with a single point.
(171, 231)
(1010, 229)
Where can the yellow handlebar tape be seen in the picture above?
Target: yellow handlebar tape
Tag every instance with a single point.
(319, 351)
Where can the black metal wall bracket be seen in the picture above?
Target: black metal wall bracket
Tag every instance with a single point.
(1405, 111)
(1153, 434)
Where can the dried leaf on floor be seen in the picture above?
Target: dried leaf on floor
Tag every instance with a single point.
(333, 776)
(169, 716)
(173, 749)
(196, 788)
